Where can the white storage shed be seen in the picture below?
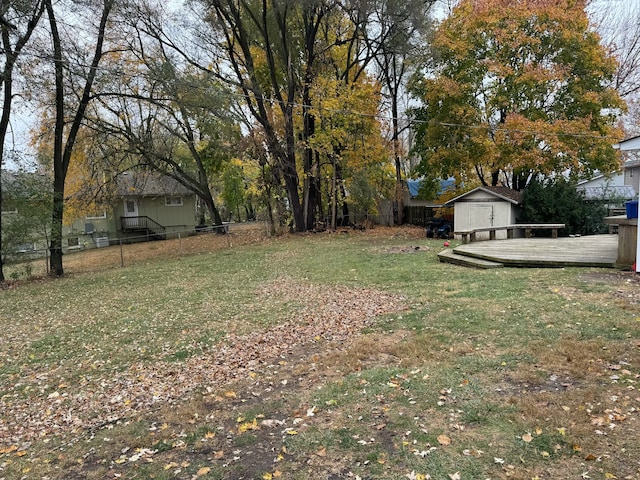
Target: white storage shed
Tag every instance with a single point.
(486, 207)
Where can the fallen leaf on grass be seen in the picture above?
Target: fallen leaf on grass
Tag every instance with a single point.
(248, 426)
(527, 437)
(472, 453)
(203, 471)
(147, 384)
(10, 449)
(322, 452)
(418, 476)
(444, 440)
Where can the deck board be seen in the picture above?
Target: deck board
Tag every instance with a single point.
(449, 256)
(592, 251)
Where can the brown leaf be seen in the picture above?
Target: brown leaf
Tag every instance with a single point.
(322, 452)
(527, 437)
(203, 471)
(444, 440)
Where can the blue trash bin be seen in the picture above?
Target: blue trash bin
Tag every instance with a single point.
(632, 208)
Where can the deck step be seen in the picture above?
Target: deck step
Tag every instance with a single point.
(449, 256)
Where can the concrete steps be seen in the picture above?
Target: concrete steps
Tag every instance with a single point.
(449, 256)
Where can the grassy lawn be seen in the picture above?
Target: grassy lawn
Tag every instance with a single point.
(334, 356)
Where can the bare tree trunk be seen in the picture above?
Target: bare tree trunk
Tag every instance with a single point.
(4, 126)
(63, 149)
(11, 54)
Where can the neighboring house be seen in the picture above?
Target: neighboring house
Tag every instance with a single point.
(421, 212)
(153, 204)
(25, 212)
(631, 173)
(146, 206)
(631, 167)
(610, 188)
(629, 145)
(486, 207)
(411, 196)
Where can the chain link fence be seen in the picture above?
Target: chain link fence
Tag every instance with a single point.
(105, 253)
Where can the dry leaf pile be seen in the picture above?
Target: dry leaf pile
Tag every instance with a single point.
(42, 402)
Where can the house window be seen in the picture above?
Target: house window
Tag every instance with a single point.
(173, 201)
(26, 247)
(73, 243)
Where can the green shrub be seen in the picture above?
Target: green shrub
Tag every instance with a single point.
(558, 201)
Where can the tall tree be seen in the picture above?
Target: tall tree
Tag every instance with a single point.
(74, 80)
(397, 33)
(276, 49)
(256, 38)
(18, 21)
(519, 88)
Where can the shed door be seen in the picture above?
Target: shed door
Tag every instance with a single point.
(481, 215)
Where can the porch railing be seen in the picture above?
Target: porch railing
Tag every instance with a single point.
(143, 224)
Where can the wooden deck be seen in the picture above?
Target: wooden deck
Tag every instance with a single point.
(588, 251)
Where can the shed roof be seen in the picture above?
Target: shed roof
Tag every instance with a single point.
(504, 193)
(148, 184)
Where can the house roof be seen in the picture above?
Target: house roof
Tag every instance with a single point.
(414, 186)
(504, 193)
(630, 144)
(148, 184)
(607, 192)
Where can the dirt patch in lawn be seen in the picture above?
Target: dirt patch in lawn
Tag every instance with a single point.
(407, 249)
